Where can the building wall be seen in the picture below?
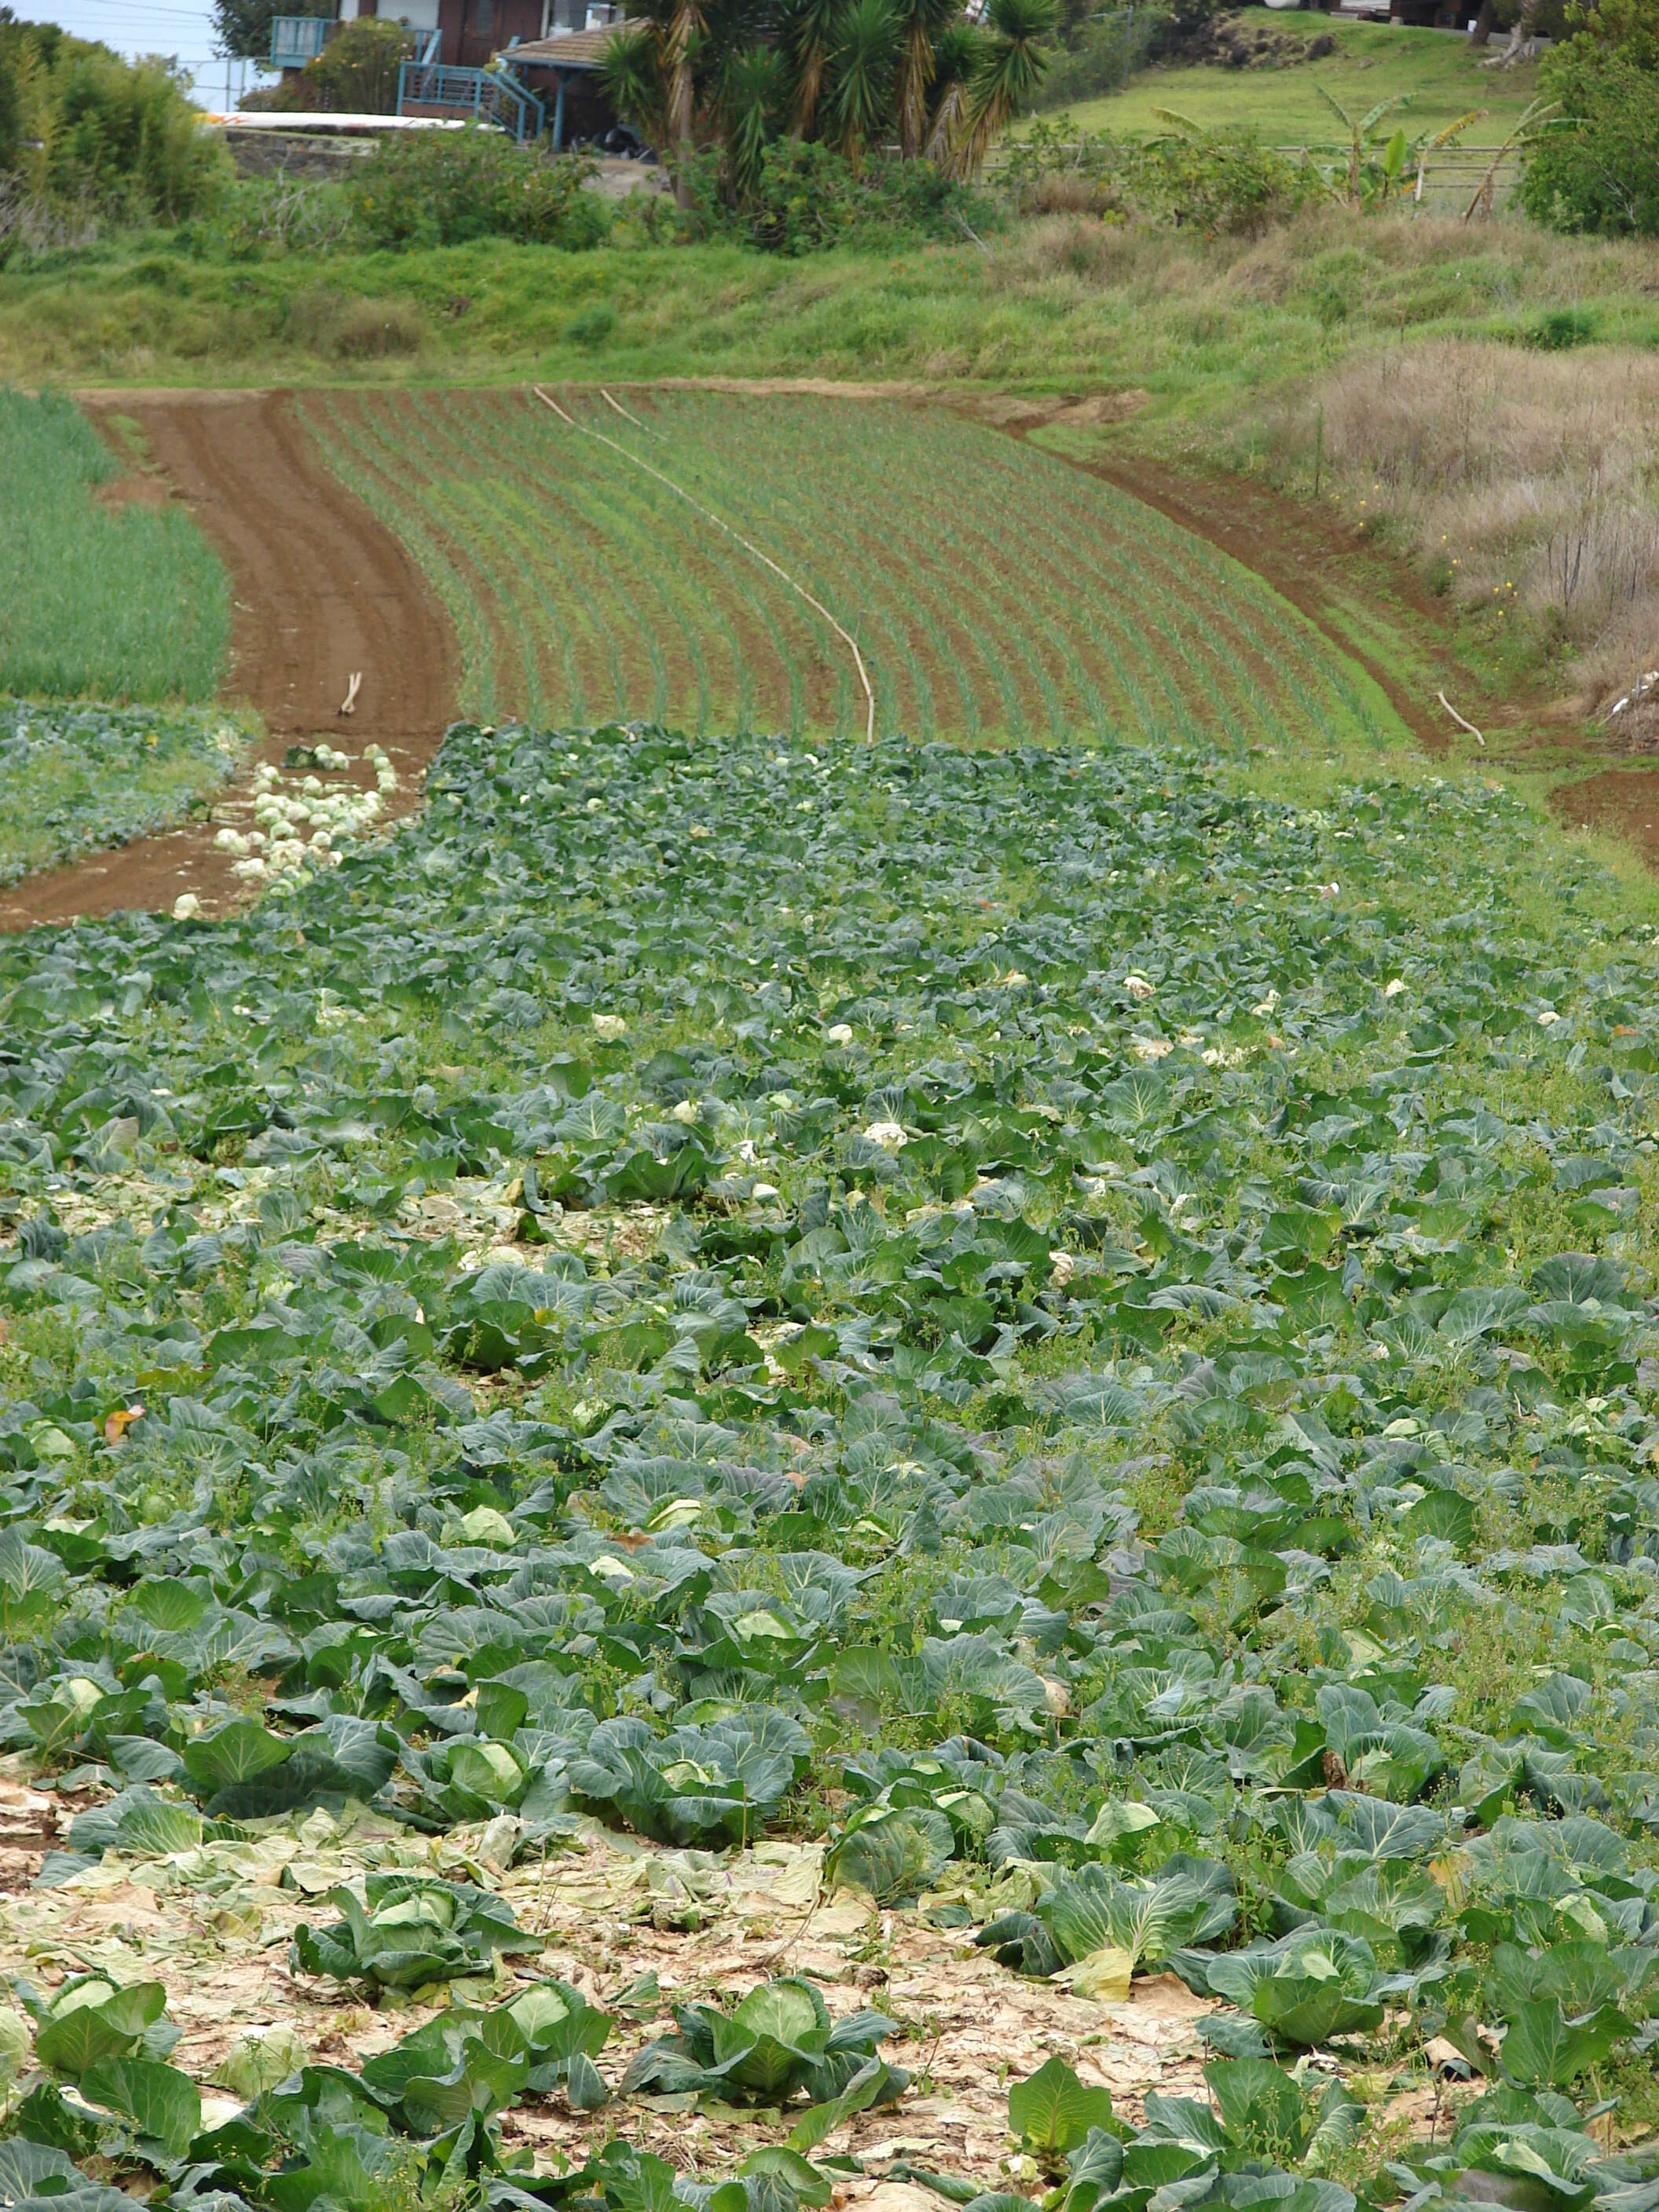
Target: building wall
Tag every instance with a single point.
(473, 30)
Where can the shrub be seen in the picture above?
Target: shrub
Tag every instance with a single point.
(81, 128)
(357, 72)
(1603, 176)
(271, 215)
(1106, 52)
(443, 188)
(324, 321)
(1562, 329)
(1218, 186)
(805, 197)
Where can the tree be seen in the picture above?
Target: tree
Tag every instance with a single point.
(116, 140)
(16, 59)
(733, 74)
(1008, 68)
(921, 24)
(1592, 164)
(1600, 173)
(860, 85)
(242, 28)
(357, 72)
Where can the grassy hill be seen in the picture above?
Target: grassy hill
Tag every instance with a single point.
(1440, 73)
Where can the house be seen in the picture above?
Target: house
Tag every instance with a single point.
(527, 65)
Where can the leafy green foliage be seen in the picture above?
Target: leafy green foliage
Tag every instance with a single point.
(803, 196)
(91, 2020)
(445, 187)
(1185, 176)
(1601, 172)
(848, 74)
(776, 2042)
(113, 140)
(357, 72)
(1114, 1337)
(714, 1783)
(75, 778)
(409, 1931)
(1052, 2113)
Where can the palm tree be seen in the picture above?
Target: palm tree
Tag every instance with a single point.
(631, 74)
(754, 88)
(955, 50)
(807, 28)
(859, 100)
(731, 74)
(1007, 70)
(684, 25)
(921, 24)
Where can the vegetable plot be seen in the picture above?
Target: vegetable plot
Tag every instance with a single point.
(75, 778)
(114, 602)
(1081, 1337)
(993, 592)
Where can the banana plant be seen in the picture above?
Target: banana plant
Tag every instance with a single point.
(1540, 118)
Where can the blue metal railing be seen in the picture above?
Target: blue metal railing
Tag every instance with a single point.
(296, 39)
(491, 95)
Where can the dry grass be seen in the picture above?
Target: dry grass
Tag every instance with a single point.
(1523, 477)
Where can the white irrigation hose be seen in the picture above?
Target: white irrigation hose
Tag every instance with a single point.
(765, 559)
(623, 411)
(1460, 723)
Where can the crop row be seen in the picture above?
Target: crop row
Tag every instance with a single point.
(995, 593)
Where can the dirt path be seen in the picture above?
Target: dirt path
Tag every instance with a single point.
(1620, 802)
(320, 590)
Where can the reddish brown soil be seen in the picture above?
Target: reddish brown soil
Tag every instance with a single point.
(1622, 801)
(320, 590)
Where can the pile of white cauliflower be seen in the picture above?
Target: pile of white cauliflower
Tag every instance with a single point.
(306, 824)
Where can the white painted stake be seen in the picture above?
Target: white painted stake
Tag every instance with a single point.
(765, 559)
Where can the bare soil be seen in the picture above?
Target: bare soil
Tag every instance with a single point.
(1622, 802)
(321, 591)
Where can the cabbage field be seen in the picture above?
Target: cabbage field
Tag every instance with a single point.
(996, 592)
(758, 1475)
(75, 778)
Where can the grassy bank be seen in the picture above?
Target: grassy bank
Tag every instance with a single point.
(1192, 321)
(1440, 73)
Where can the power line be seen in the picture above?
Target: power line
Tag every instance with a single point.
(142, 13)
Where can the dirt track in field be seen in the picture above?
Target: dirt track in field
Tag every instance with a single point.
(320, 590)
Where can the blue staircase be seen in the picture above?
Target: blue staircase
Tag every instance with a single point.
(470, 95)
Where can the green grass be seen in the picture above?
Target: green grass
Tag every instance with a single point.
(1051, 305)
(78, 779)
(1441, 75)
(1039, 602)
(127, 604)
